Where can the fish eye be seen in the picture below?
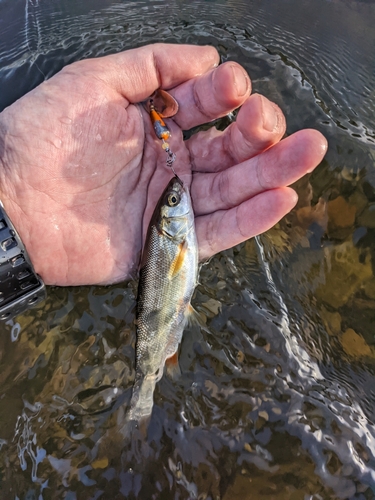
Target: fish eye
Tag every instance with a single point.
(173, 199)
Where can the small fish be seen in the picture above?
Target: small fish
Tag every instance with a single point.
(168, 277)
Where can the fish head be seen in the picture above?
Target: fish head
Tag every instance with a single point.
(175, 212)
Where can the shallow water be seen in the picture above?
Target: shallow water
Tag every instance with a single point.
(277, 397)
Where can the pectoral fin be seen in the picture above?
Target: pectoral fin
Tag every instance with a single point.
(194, 318)
(178, 261)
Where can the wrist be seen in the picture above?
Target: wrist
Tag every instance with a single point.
(20, 286)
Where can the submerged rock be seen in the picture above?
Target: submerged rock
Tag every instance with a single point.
(346, 268)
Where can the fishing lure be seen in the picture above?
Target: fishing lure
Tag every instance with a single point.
(169, 107)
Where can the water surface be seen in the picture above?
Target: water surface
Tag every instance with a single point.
(276, 398)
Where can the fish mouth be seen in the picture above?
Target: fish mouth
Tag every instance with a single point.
(178, 180)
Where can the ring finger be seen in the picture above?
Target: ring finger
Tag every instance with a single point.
(259, 125)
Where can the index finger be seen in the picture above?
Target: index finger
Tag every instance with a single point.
(137, 73)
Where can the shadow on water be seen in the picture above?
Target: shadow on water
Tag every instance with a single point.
(276, 397)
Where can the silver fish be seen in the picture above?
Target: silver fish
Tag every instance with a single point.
(168, 277)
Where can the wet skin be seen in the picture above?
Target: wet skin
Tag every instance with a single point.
(81, 169)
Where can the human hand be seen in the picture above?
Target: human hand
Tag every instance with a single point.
(81, 169)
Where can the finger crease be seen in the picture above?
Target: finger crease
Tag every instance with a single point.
(227, 144)
(223, 188)
(156, 67)
(192, 161)
(260, 178)
(238, 218)
(198, 103)
(210, 236)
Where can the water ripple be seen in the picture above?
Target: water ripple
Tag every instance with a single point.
(268, 390)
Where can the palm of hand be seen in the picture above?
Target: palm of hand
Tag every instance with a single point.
(82, 169)
(91, 173)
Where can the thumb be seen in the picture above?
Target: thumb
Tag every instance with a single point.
(137, 73)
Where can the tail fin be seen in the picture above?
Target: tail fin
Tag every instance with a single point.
(143, 398)
(131, 425)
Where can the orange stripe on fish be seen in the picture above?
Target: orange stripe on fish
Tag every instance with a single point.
(178, 261)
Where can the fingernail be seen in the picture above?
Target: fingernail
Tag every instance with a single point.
(271, 115)
(241, 80)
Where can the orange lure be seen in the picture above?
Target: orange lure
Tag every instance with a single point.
(161, 130)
